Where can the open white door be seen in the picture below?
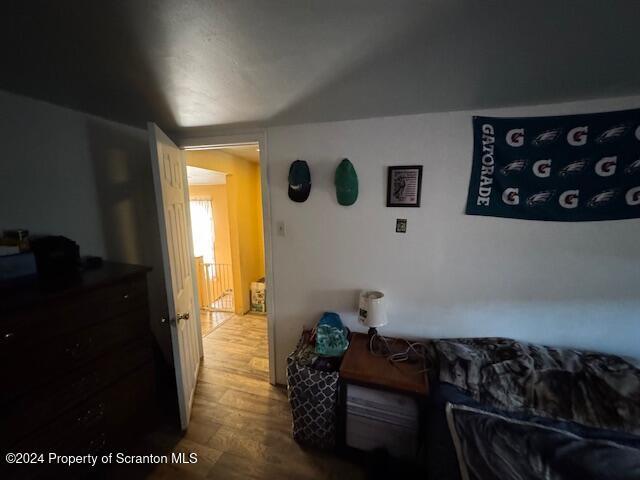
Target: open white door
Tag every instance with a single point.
(172, 199)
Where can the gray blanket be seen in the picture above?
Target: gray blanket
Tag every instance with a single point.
(522, 450)
(593, 389)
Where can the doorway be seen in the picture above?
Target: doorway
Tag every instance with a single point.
(229, 403)
(198, 361)
(227, 229)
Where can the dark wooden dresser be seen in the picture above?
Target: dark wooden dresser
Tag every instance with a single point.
(76, 368)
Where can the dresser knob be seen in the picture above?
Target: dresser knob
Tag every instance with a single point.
(126, 296)
(9, 336)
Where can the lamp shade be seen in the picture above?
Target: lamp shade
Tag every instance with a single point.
(373, 312)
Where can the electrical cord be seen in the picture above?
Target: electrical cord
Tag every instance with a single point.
(381, 346)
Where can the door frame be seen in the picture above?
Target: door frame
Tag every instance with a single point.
(260, 137)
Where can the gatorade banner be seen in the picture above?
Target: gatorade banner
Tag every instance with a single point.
(572, 168)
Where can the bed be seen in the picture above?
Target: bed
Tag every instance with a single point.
(502, 409)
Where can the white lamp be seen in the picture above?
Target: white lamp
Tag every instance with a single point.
(373, 312)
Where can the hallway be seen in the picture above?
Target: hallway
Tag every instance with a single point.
(240, 424)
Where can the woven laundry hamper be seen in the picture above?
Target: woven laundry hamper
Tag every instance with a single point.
(313, 395)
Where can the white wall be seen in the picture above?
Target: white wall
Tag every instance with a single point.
(568, 284)
(67, 173)
(574, 284)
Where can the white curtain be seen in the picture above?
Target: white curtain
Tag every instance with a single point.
(202, 229)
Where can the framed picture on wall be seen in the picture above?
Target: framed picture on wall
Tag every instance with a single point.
(404, 186)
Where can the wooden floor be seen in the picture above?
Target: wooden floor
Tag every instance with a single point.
(209, 321)
(240, 425)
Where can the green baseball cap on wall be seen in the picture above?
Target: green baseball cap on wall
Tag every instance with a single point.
(299, 181)
(346, 183)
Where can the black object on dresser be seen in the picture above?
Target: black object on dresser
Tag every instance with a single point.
(76, 364)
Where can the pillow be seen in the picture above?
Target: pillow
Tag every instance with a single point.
(493, 446)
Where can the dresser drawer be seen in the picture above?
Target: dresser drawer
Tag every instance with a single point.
(25, 368)
(99, 424)
(64, 315)
(42, 405)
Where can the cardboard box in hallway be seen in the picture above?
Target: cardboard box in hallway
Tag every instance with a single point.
(258, 297)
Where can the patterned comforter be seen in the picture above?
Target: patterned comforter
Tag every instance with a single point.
(593, 389)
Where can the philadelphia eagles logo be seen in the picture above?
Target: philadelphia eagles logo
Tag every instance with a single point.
(633, 168)
(574, 167)
(513, 167)
(547, 137)
(612, 134)
(603, 198)
(540, 198)
(632, 197)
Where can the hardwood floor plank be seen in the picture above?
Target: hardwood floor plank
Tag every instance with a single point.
(240, 425)
(239, 418)
(241, 382)
(234, 467)
(201, 431)
(255, 404)
(253, 449)
(260, 363)
(215, 345)
(206, 457)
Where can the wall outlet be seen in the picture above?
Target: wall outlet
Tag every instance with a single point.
(281, 229)
(401, 225)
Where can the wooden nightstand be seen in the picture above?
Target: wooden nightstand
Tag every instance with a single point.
(359, 366)
(381, 402)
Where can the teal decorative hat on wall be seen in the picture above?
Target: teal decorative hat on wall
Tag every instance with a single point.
(346, 183)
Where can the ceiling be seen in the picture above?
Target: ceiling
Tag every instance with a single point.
(248, 152)
(193, 63)
(203, 176)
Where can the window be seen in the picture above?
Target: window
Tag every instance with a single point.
(202, 229)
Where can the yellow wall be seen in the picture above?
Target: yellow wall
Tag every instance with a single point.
(244, 200)
(260, 233)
